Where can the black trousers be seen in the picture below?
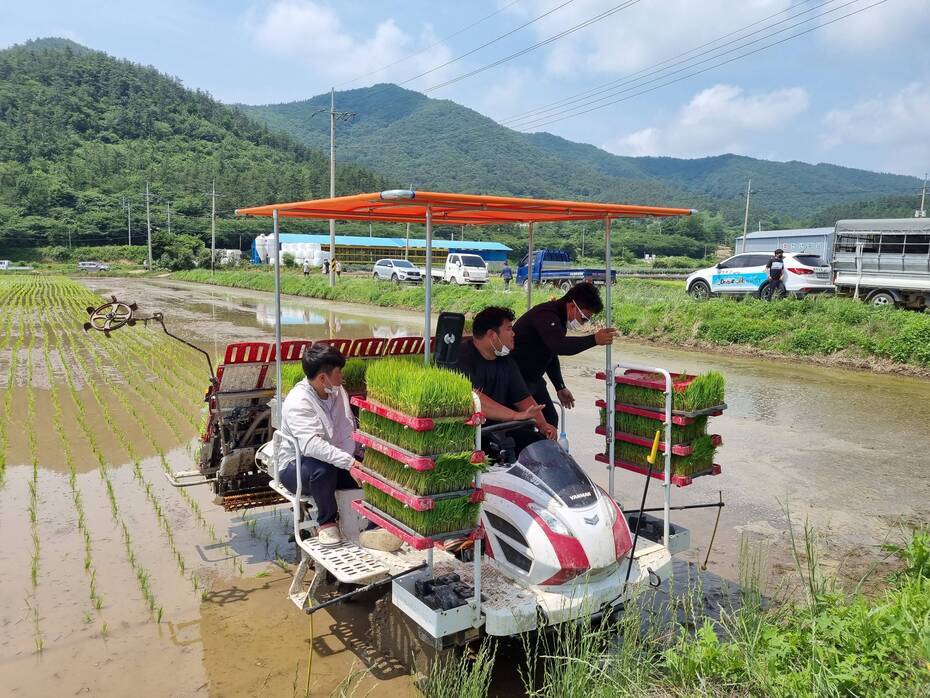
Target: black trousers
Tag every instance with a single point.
(541, 395)
(321, 480)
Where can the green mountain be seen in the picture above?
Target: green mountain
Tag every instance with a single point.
(81, 132)
(441, 144)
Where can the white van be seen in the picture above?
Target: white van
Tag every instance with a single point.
(93, 266)
(465, 269)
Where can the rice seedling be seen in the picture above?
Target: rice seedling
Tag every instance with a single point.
(453, 472)
(466, 675)
(446, 516)
(700, 460)
(706, 390)
(645, 427)
(450, 436)
(418, 390)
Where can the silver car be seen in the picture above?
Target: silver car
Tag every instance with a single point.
(396, 270)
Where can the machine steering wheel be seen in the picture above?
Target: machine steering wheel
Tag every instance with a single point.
(507, 426)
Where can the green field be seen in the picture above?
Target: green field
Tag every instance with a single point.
(656, 310)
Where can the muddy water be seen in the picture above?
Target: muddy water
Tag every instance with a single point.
(845, 451)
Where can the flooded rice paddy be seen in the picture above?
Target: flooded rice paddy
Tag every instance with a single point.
(115, 583)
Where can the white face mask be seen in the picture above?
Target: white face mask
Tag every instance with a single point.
(330, 389)
(575, 325)
(502, 352)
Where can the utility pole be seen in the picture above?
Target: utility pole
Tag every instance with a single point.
(333, 116)
(748, 194)
(582, 241)
(148, 222)
(407, 245)
(213, 226)
(922, 213)
(169, 218)
(69, 238)
(127, 205)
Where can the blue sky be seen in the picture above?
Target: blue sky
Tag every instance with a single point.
(855, 93)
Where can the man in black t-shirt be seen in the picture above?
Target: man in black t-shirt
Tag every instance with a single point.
(494, 375)
(776, 269)
(541, 339)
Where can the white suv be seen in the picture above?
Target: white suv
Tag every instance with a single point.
(746, 275)
(396, 270)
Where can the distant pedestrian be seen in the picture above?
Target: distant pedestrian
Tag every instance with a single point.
(507, 276)
(776, 269)
(306, 267)
(326, 267)
(338, 268)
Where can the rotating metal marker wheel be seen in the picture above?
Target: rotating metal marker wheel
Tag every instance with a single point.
(110, 316)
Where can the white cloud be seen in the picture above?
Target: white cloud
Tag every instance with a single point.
(639, 35)
(892, 24)
(894, 125)
(315, 34)
(719, 119)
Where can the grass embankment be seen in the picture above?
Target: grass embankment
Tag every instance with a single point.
(825, 642)
(844, 330)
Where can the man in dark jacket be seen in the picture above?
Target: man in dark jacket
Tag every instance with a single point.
(776, 269)
(541, 339)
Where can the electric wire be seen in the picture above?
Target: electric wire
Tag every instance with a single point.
(599, 88)
(431, 46)
(573, 111)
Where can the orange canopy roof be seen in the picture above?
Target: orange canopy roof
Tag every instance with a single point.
(405, 206)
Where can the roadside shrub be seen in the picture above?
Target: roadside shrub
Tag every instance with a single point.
(288, 260)
(911, 343)
(814, 340)
(730, 329)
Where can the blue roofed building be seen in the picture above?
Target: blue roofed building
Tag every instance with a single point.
(359, 250)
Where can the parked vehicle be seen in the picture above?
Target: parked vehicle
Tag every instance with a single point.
(746, 275)
(396, 270)
(463, 269)
(93, 266)
(4, 264)
(883, 262)
(556, 268)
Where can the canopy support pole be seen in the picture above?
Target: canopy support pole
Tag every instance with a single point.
(609, 368)
(277, 315)
(529, 268)
(427, 312)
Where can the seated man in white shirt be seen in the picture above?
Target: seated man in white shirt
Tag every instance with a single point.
(316, 412)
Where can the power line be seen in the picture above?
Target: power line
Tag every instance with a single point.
(488, 43)
(544, 42)
(431, 46)
(598, 88)
(573, 111)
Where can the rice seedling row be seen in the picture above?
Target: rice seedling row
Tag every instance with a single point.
(96, 599)
(8, 393)
(102, 468)
(112, 351)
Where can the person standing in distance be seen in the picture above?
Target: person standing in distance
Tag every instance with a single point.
(541, 337)
(306, 267)
(507, 276)
(776, 269)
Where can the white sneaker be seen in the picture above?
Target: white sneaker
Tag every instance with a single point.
(379, 539)
(329, 536)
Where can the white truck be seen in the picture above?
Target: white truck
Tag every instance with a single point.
(462, 270)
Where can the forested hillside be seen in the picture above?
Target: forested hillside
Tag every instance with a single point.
(81, 132)
(444, 144)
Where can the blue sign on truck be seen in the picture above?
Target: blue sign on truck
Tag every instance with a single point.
(556, 268)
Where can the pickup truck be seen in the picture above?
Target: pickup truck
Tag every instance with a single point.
(555, 267)
(463, 270)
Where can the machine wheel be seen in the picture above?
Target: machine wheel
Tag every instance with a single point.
(699, 290)
(883, 298)
(565, 285)
(397, 636)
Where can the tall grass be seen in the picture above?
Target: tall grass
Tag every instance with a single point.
(660, 310)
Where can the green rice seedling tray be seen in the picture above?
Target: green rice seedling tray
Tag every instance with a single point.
(447, 436)
(452, 472)
(646, 427)
(692, 395)
(700, 460)
(411, 499)
(415, 540)
(676, 479)
(684, 449)
(411, 422)
(412, 391)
